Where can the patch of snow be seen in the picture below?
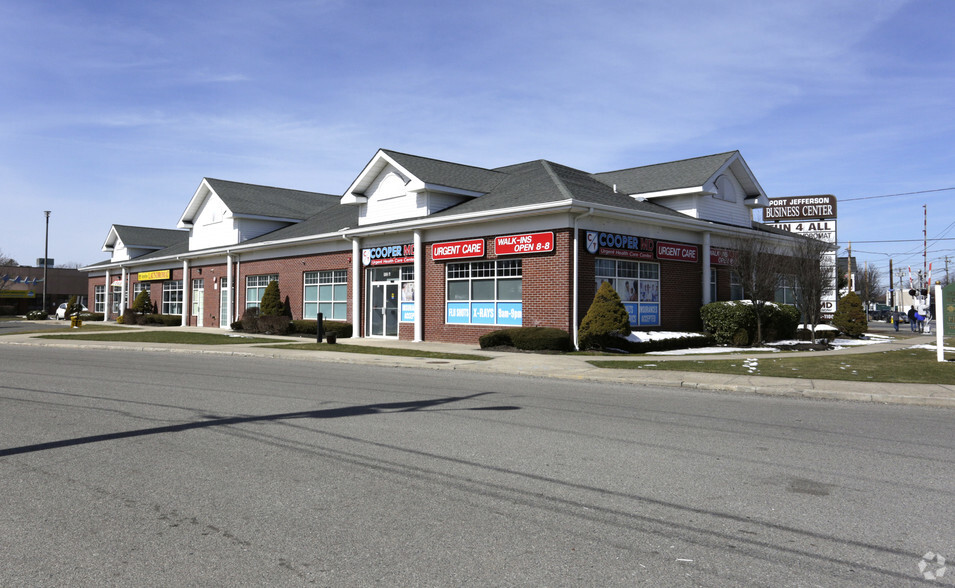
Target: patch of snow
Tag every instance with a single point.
(712, 350)
(640, 336)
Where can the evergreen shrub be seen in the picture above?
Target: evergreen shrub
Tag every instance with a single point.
(528, 339)
(142, 304)
(606, 322)
(37, 315)
(271, 304)
(849, 317)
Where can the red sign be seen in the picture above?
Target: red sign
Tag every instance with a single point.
(529, 243)
(720, 256)
(678, 252)
(457, 249)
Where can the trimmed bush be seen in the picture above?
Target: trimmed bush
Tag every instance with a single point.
(91, 316)
(529, 339)
(142, 304)
(341, 329)
(249, 318)
(733, 322)
(605, 322)
(691, 342)
(272, 325)
(37, 315)
(849, 317)
(271, 304)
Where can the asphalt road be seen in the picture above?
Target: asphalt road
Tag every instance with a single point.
(122, 468)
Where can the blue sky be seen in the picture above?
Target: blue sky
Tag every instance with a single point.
(112, 112)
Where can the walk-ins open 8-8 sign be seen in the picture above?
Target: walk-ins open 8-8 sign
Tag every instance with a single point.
(813, 216)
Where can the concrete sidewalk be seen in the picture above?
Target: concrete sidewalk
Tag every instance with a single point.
(572, 367)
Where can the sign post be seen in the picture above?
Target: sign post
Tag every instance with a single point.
(944, 317)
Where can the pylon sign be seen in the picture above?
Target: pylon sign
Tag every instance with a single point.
(815, 217)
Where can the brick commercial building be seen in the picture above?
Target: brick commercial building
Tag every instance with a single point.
(423, 249)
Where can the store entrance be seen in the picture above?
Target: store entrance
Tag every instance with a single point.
(383, 302)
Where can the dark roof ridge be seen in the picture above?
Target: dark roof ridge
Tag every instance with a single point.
(669, 162)
(401, 153)
(267, 186)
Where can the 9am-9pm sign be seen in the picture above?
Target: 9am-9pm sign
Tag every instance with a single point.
(526, 243)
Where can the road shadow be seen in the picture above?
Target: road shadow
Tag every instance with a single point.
(217, 421)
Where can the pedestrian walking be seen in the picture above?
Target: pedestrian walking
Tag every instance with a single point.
(913, 323)
(896, 315)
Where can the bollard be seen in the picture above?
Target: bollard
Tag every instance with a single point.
(320, 328)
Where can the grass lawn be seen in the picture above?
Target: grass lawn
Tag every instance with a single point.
(913, 366)
(171, 336)
(65, 326)
(345, 348)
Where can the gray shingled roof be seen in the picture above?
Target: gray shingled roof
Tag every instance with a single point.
(540, 182)
(687, 173)
(265, 201)
(448, 174)
(149, 237)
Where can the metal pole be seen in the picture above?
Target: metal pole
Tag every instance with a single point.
(46, 255)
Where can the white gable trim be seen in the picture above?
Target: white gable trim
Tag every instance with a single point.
(195, 205)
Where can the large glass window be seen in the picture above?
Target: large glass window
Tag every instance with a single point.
(327, 293)
(736, 286)
(172, 297)
(485, 292)
(255, 288)
(99, 298)
(638, 284)
(785, 293)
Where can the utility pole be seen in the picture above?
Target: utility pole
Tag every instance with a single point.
(891, 286)
(46, 256)
(849, 268)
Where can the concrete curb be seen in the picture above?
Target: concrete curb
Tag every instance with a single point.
(546, 367)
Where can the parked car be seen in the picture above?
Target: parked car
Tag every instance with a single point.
(61, 311)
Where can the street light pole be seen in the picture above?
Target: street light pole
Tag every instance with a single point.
(46, 255)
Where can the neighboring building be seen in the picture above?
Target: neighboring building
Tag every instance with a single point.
(424, 249)
(21, 287)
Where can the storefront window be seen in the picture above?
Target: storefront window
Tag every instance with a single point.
(327, 293)
(255, 288)
(485, 292)
(172, 297)
(99, 298)
(638, 284)
(736, 286)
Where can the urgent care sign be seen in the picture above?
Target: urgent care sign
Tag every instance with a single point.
(457, 249)
(678, 252)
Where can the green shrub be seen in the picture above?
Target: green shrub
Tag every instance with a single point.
(142, 304)
(249, 318)
(91, 316)
(605, 322)
(271, 304)
(73, 307)
(341, 329)
(237, 326)
(691, 342)
(730, 323)
(734, 323)
(849, 317)
(272, 325)
(37, 315)
(529, 339)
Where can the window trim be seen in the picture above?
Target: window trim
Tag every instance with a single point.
(338, 277)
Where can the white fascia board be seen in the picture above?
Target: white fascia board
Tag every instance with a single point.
(195, 204)
(369, 173)
(351, 199)
(674, 192)
(111, 237)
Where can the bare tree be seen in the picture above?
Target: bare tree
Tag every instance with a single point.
(7, 261)
(813, 272)
(756, 263)
(869, 285)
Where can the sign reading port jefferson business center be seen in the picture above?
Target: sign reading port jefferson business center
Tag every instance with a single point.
(812, 216)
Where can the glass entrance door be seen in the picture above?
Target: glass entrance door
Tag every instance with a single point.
(198, 295)
(383, 310)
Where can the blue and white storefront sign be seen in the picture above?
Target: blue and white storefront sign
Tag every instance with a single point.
(407, 312)
(485, 313)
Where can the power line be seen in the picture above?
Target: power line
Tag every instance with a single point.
(841, 200)
(903, 240)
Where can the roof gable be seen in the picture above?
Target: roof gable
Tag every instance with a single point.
(255, 201)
